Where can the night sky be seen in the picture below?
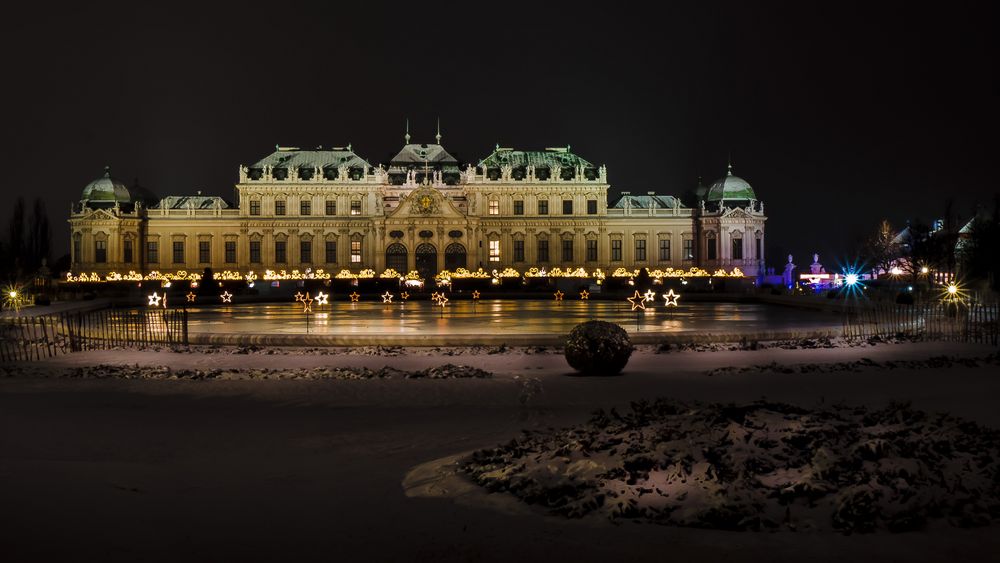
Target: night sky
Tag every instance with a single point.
(837, 115)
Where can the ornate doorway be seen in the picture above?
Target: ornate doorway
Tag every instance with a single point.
(427, 261)
(395, 257)
(454, 257)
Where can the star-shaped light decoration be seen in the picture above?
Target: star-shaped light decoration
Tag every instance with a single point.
(226, 297)
(354, 297)
(637, 301)
(558, 295)
(435, 296)
(387, 297)
(404, 295)
(322, 298)
(442, 300)
(671, 298)
(584, 295)
(191, 297)
(475, 295)
(307, 303)
(299, 296)
(154, 300)
(650, 295)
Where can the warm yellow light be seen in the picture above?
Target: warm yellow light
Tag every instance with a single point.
(13, 294)
(952, 289)
(924, 270)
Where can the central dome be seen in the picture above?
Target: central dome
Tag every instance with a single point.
(106, 189)
(730, 188)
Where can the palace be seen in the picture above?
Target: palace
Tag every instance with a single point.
(424, 211)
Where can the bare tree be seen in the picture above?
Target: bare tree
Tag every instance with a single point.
(39, 236)
(881, 248)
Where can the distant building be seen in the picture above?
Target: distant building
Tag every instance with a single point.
(423, 211)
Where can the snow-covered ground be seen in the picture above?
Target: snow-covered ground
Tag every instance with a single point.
(290, 470)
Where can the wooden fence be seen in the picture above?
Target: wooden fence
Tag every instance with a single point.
(45, 336)
(949, 321)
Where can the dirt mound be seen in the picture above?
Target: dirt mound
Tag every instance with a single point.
(756, 466)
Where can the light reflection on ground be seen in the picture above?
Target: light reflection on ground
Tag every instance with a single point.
(496, 316)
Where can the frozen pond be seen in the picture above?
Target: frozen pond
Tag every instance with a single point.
(500, 316)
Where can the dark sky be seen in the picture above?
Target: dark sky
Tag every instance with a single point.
(838, 115)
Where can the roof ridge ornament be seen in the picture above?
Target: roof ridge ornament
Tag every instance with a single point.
(406, 137)
(730, 165)
(107, 171)
(438, 136)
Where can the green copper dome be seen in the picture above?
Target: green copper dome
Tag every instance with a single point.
(106, 189)
(730, 188)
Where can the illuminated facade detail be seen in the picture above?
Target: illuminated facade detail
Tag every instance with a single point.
(330, 210)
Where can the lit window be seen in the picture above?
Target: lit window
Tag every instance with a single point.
(494, 207)
(355, 251)
(494, 251)
(355, 208)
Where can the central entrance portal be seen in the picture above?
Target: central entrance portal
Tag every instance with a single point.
(427, 261)
(395, 257)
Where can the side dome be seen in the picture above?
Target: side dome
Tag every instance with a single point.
(730, 187)
(106, 189)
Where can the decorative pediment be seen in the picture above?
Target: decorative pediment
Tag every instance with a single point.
(425, 202)
(736, 213)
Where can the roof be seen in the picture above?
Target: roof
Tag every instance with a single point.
(420, 154)
(294, 157)
(546, 158)
(730, 187)
(646, 202)
(106, 189)
(191, 202)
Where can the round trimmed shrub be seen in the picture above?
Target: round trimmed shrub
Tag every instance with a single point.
(598, 348)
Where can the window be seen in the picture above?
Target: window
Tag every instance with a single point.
(757, 248)
(737, 248)
(664, 250)
(567, 207)
(494, 207)
(331, 207)
(355, 208)
(127, 252)
(543, 251)
(279, 251)
(76, 249)
(494, 251)
(331, 252)
(305, 207)
(204, 251)
(688, 249)
(255, 252)
(713, 249)
(519, 251)
(592, 250)
(279, 207)
(100, 251)
(152, 252)
(567, 250)
(616, 250)
(519, 207)
(305, 251)
(230, 251)
(543, 207)
(355, 249)
(591, 207)
(255, 207)
(178, 252)
(640, 249)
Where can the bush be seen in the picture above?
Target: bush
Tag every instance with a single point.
(598, 348)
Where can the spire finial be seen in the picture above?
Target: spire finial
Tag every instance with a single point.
(438, 136)
(730, 166)
(406, 137)
(107, 171)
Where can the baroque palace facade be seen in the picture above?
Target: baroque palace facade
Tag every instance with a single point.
(330, 209)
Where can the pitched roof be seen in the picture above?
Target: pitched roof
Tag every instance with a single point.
(646, 202)
(546, 158)
(419, 154)
(293, 157)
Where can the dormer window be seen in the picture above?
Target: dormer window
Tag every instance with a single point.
(279, 173)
